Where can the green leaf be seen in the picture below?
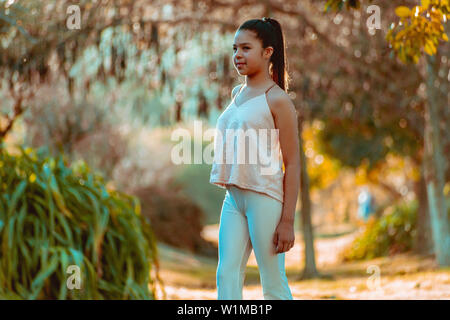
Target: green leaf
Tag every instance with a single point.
(38, 282)
(20, 189)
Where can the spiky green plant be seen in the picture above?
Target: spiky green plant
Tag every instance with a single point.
(53, 216)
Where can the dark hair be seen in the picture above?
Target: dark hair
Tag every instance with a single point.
(269, 31)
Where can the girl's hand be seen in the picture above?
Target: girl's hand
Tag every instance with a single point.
(284, 237)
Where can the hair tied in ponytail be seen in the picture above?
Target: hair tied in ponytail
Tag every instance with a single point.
(267, 20)
(270, 33)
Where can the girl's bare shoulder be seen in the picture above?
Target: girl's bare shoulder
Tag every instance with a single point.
(279, 100)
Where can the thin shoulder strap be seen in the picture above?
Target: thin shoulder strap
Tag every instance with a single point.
(240, 89)
(270, 87)
(234, 98)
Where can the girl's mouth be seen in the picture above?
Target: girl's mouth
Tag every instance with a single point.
(240, 64)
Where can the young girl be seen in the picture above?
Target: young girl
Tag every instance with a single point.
(258, 209)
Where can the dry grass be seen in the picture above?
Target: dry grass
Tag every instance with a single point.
(404, 276)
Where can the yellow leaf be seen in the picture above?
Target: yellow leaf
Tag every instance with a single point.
(389, 34)
(400, 34)
(428, 49)
(402, 11)
(425, 4)
(435, 44)
(435, 25)
(401, 55)
(32, 178)
(444, 37)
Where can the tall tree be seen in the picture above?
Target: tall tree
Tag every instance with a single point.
(417, 35)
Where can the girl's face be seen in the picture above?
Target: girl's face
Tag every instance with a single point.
(248, 54)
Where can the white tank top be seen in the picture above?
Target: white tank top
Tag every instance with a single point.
(247, 151)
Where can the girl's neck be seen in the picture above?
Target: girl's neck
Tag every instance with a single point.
(258, 85)
(258, 81)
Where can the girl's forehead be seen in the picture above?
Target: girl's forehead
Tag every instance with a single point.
(245, 36)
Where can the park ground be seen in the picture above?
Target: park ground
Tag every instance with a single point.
(402, 276)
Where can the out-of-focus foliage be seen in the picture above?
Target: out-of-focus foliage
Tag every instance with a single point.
(208, 197)
(353, 142)
(339, 4)
(81, 129)
(420, 27)
(176, 219)
(393, 233)
(53, 216)
(148, 50)
(368, 108)
(322, 169)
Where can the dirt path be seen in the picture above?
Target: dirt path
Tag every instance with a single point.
(403, 276)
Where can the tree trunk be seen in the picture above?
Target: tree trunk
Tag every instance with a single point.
(435, 167)
(309, 270)
(423, 239)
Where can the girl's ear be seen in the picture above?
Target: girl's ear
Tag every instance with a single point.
(268, 52)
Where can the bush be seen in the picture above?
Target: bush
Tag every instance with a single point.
(177, 220)
(209, 197)
(53, 216)
(392, 233)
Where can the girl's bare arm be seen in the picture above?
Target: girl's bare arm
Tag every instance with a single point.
(285, 117)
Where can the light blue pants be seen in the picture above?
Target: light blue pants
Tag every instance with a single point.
(248, 221)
